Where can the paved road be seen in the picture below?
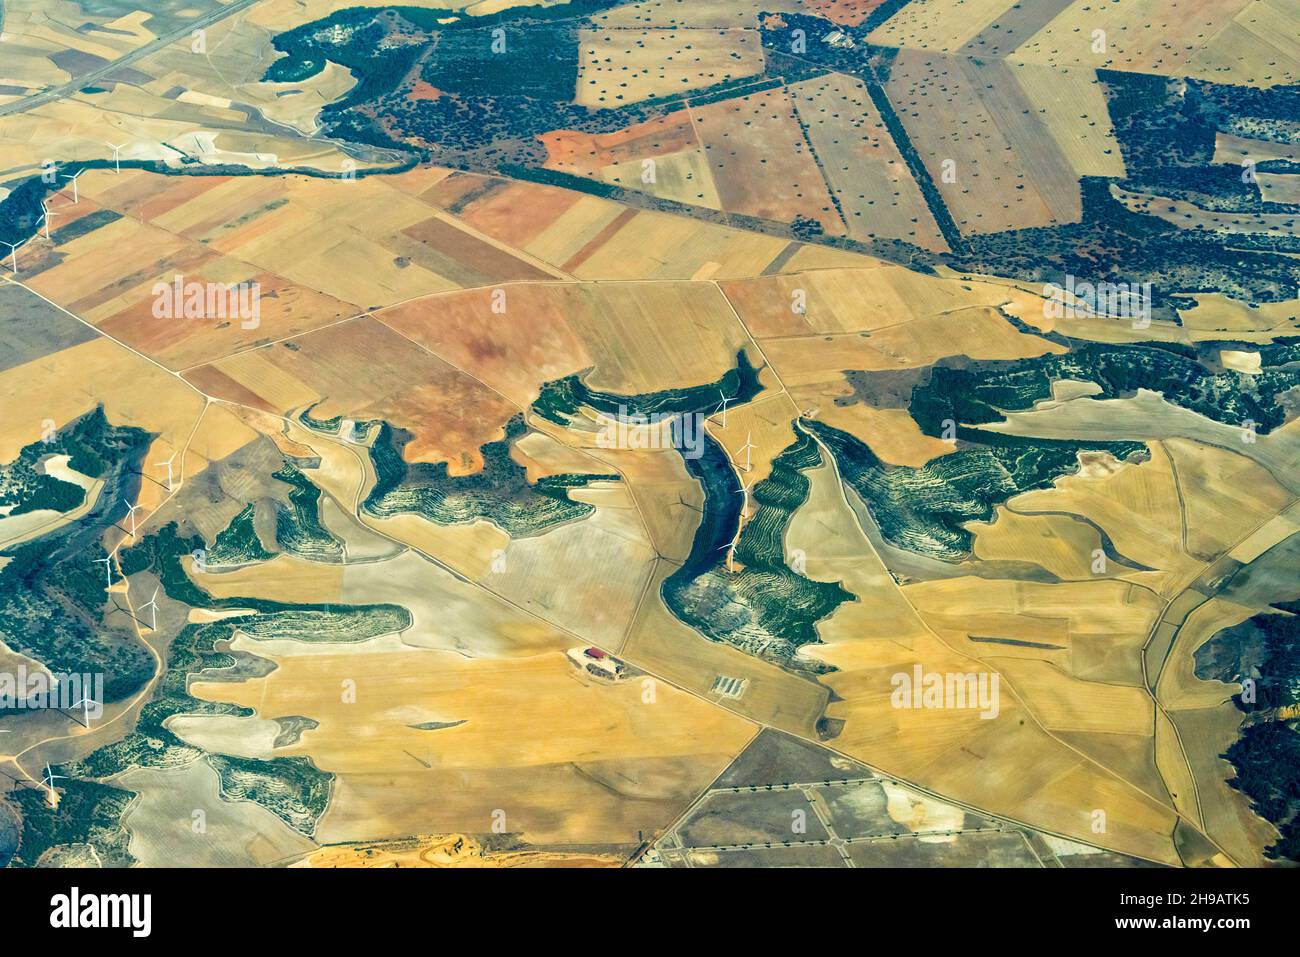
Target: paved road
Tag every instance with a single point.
(153, 46)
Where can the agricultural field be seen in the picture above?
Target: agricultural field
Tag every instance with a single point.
(594, 434)
(627, 66)
(996, 170)
(763, 129)
(1244, 38)
(873, 188)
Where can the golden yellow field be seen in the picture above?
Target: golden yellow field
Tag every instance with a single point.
(626, 66)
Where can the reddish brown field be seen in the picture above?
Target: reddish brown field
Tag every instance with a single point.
(513, 353)
(598, 241)
(585, 154)
(365, 370)
(518, 212)
(848, 12)
(471, 262)
(424, 91)
(286, 309)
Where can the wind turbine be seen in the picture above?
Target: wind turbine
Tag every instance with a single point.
(722, 407)
(13, 253)
(744, 489)
(130, 513)
(108, 568)
(152, 605)
(73, 177)
(747, 448)
(51, 777)
(168, 463)
(731, 554)
(84, 705)
(117, 156)
(47, 213)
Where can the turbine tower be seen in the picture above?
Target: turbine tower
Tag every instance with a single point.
(747, 448)
(108, 568)
(152, 605)
(73, 179)
(167, 463)
(130, 513)
(722, 407)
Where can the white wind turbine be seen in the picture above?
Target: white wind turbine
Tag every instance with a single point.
(13, 253)
(744, 489)
(731, 554)
(747, 448)
(108, 568)
(168, 463)
(73, 179)
(722, 407)
(152, 605)
(84, 704)
(117, 156)
(50, 777)
(130, 513)
(47, 212)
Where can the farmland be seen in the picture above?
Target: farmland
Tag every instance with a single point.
(819, 433)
